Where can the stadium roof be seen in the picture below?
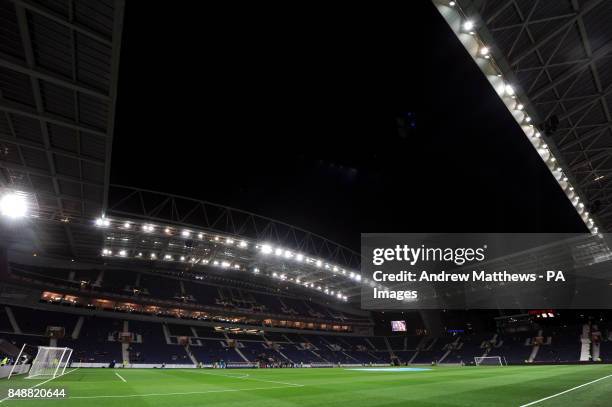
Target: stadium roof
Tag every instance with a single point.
(58, 82)
(555, 54)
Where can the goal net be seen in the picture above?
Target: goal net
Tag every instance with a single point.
(488, 361)
(50, 362)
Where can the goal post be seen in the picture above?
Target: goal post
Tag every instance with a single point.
(488, 361)
(22, 360)
(50, 362)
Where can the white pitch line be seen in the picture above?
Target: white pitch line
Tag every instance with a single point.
(118, 396)
(247, 377)
(565, 391)
(121, 377)
(46, 381)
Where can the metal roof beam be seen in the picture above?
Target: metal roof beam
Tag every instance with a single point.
(24, 110)
(5, 61)
(585, 9)
(61, 20)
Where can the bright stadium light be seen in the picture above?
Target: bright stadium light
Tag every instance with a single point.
(299, 257)
(122, 253)
(243, 244)
(185, 233)
(484, 51)
(127, 225)
(468, 25)
(278, 251)
(102, 222)
(266, 249)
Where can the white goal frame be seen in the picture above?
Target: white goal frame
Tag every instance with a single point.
(54, 368)
(479, 359)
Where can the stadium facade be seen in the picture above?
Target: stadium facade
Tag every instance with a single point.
(144, 278)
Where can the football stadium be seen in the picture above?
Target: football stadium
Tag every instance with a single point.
(197, 200)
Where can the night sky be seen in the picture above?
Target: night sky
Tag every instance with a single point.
(296, 118)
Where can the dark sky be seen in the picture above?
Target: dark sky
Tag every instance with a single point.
(291, 112)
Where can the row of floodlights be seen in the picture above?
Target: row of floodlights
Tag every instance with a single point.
(224, 264)
(265, 249)
(506, 92)
(169, 257)
(314, 286)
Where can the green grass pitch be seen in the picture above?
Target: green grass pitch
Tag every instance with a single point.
(440, 386)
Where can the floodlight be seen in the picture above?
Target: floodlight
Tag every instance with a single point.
(185, 233)
(484, 51)
(102, 222)
(299, 257)
(127, 225)
(266, 249)
(278, 251)
(122, 253)
(468, 25)
(243, 244)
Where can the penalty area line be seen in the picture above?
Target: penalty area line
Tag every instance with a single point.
(121, 377)
(565, 391)
(248, 377)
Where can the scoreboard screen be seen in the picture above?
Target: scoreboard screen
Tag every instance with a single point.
(398, 326)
